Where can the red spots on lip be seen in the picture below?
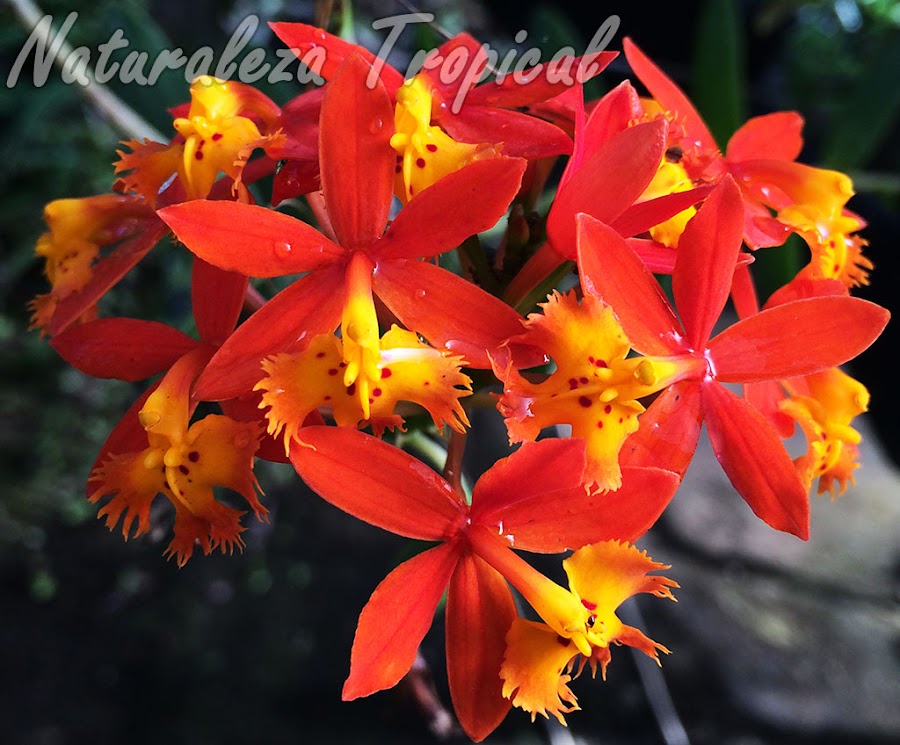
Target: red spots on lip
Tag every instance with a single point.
(198, 155)
(217, 136)
(584, 401)
(563, 641)
(597, 362)
(193, 456)
(320, 355)
(184, 469)
(386, 372)
(420, 162)
(431, 147)
(588, 604)
(600, 425)
(583, 381)
(351, 389)
(376, 392)
(333, 371)
(573, 384)
(607, 408)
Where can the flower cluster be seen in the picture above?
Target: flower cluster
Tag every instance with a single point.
(373, 328)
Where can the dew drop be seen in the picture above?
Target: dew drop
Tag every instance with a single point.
(376, 125)
(420, 293)
(283, 248)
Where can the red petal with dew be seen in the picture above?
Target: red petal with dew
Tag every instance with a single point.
(122, 348)
(669, 430)
(396, 619)
(480, 610)
(612, 271)
(311, 305)
(705, 261)
(753, 457)
(294, 179)
(377, 482)
(669, 95)
(106, 273)
(459, 205)
(574, 518)
(526, 476)
(797, 338)
(608, 182)
(777, 136)
(356, 161)
(249, 239)
(446, 309)
(303, 39)
(217, 298)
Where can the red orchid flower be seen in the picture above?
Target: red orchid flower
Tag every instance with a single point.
(519, 503)
(613, 163)
(761, 156)
(357, 170)
(467, 112)
(793, 339)
(154, 448)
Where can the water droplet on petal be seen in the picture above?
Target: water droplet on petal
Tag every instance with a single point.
(376, 125)
(282, 248)
(420, 293)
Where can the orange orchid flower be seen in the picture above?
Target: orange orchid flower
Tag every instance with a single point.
(518, 504)
(366, 257)
(155, 448)
(790, 340)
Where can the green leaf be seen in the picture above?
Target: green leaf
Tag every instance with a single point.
(720, 86)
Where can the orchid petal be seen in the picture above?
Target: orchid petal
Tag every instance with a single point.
(777, 136)
(459, 205)
(249, 239)
(705, 262)
(752, 455)
(396, 619)
(106, 273)
(611, 271)
(541, 82)
(644, 215)
(570, 519)
(356, 161)
(524, 477)
(522, 135)
(217, 298)
(446, 309)
(377, 482)
(669, 95)
(122, 348)
(307, 42)
(669, 430)
(608, 182)
(311, 305)
(480, 610)
(128, 436)
(797, 338)
(613, 113)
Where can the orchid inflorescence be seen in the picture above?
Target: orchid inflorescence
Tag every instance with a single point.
(372, 328)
